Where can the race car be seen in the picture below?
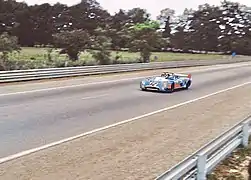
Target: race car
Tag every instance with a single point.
(167, 82)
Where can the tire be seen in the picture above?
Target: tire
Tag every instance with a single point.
(172, 88)
(188, 84)
(142, 89)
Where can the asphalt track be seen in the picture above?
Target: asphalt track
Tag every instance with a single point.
(32, 119)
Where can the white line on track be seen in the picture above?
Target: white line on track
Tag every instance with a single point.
(215, 67)
(71, 86)
(27, 152)
(94, 97)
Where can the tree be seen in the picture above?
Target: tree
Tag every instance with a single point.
(235, 25)
(119, 20)
(181, 37)
(41, 18)
(145, 38)
(120, 23)
(101, 45)
(36, 24)
(166, 17)
(138, 15)
(204, 28)
(118, 30)
(214, 28)
(73, 42)
(8, 44)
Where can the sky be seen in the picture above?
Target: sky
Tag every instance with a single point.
(153, 7)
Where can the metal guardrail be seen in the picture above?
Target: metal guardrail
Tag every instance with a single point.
(38, 74)
(201, 163)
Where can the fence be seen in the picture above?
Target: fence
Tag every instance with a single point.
(201, 163)
(38, 74)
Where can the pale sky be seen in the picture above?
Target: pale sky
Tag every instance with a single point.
(153, 7)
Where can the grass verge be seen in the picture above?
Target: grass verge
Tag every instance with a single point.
(41, 53)
(36, 58)
(235, 167)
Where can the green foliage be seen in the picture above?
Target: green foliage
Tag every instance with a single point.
(137, 15)
(145, 38)
(72, 42)
(8, 44)
(222, 28)
(49, 51)
(86, 25)
(101, 44)
(30, 58)
(165, 18)
(148, 25)
(209, 28)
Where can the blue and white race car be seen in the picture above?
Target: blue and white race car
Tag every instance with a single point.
(167, 82)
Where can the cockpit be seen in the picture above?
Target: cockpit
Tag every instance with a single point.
(168, 75)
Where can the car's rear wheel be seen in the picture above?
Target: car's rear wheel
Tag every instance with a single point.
(188, 84)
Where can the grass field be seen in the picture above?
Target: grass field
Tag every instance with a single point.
(30, 58)
(41, 53)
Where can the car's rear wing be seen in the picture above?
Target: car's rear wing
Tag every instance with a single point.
(180, 75)
(189, 75)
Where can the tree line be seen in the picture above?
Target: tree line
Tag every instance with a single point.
(86, 25)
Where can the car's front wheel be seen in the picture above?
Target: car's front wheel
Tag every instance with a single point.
(141, 87)
(172, 88)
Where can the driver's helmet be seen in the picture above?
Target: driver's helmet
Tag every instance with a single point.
(164, 74)
(167, 75)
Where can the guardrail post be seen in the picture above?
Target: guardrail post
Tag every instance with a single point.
(245, 133)
(201, 167)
